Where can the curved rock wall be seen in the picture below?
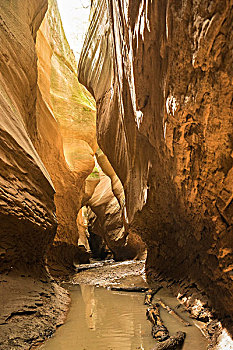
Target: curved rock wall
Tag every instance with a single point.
(27, 207)
(164, 120)
(104, 197)
(31, 305)
(66, 138)
(108, 222)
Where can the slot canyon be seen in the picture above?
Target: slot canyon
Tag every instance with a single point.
(124, 154)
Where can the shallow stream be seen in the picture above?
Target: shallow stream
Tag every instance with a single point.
(101, 319)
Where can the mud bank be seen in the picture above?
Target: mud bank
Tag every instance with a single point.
(32, 307)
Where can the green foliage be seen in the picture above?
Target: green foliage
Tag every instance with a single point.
(94, 174)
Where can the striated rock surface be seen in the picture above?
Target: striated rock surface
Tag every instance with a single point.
(66, 138)
(31, 306)
(105, 215)
(26, 200)
(161, 74)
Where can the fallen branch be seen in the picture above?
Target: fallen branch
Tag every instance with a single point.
(82, 267)
(159, 331)
(130, 289)
(150, 294)
(172, 342)
(173, 313)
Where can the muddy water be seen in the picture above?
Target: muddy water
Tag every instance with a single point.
(101, 319)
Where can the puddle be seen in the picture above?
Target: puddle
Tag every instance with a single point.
(100, 319)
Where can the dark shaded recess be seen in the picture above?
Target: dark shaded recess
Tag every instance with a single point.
(17, 244)
(62, 256)
(98, 246)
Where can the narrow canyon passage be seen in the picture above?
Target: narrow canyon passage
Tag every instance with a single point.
(116, 169)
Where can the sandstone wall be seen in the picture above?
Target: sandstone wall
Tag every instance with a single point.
(66, 138)
(161, 73)
(27, 207)
(106, 220)
(27, 211)
(104, 199)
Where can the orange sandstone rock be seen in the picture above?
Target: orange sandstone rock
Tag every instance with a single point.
(66, 130)
(164, 120)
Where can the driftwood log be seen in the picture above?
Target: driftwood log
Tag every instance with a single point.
(82, 267)
(173, 313)
(159, 331)
(172, 342)
(130, 289)
(150, 294)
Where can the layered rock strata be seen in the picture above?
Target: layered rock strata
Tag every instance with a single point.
(66, 138)
(105, 215)
(30, 305)
(105, 219)
(161, 75)
(27, 208)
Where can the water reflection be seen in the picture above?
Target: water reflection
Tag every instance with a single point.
(88, 295)
(117, 321)
(100, 319)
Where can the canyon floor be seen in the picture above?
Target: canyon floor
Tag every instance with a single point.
(33, 308)
(92, 286)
